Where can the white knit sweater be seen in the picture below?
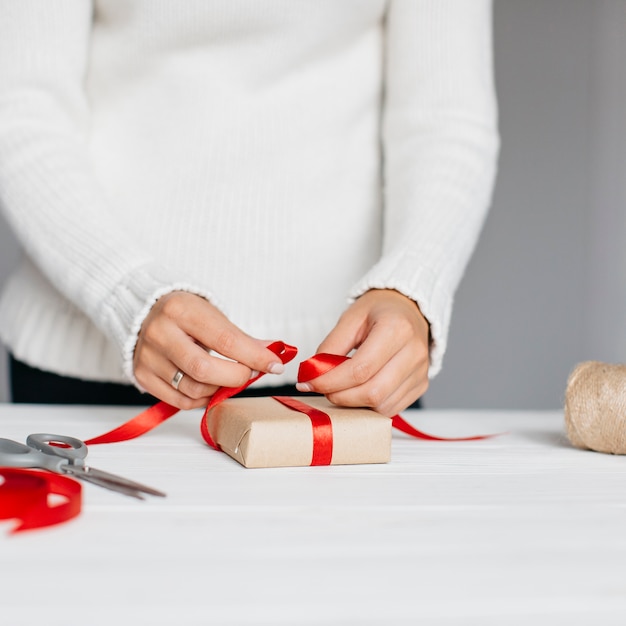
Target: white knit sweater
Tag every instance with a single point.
(278, 157)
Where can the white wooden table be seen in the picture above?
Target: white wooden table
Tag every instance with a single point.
(519, 529)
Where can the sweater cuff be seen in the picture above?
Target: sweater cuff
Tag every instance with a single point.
(130, 305)
(417, 282)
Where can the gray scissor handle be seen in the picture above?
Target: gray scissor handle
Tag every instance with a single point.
(14, 454)
(72, 450)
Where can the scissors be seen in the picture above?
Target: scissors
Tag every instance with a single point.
(66, 455)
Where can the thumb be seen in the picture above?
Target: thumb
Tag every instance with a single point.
(344, 337)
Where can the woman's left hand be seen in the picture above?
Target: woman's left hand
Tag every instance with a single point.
(389, 369)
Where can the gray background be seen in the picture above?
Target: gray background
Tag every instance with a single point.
(544, 289)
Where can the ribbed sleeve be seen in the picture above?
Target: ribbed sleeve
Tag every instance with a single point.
(440, 144)
(48, 189)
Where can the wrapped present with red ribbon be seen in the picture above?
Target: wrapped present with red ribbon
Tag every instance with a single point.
(260, 432)
(282, 431)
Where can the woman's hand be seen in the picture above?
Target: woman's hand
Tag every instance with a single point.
(177, 334)
(389, 369)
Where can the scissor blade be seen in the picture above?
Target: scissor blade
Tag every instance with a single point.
(113, 479)
(81, 474)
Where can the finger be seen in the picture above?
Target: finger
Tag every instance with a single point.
(165, 392)
(371, 357)
(186, 384)
(196, 363)
(412, 388)
(345, 336)
(404, 397)
(192, 388)
(155, 362)
(209, 327)
(390, 391)
(164, 337)
(203, 372)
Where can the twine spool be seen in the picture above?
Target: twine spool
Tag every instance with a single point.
(595, 407)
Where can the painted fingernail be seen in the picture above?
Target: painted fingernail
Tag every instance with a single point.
(304, 387)
(254, 374)
(276, 368)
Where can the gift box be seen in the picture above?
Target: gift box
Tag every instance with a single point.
(263, 432)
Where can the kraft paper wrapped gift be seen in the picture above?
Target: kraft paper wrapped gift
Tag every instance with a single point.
(262, 432)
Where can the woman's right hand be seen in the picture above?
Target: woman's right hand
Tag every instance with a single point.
(177, 334)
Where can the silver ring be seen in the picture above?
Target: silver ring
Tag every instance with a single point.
(175, 382)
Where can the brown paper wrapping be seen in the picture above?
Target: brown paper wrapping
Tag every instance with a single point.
(261, 432)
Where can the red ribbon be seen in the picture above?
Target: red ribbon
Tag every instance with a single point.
(309, 369)
(138, 425)
(283, 351)
(161, 411)
(322, 429)
(25, 495)
(322, 363)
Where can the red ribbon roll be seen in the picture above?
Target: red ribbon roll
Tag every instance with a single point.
(26, 495)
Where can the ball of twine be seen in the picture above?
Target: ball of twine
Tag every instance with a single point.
(595, 407)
